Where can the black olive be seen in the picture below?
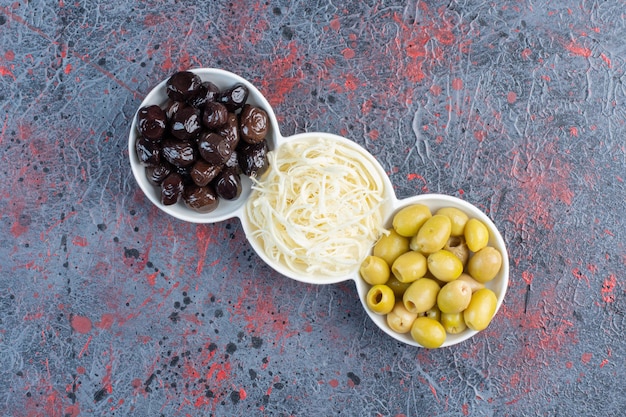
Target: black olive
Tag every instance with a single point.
(200, 199)
(157, 173)
(148, 151)
(214, 148)
(185, 123)
(183, 86)
(227, 184)
(253, 158)
(203, 172)
(171, 189)
(234, 98)
(151, 121)
(214, 115)
(253, 124)
(179, 153)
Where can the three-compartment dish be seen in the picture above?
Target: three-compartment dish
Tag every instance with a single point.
(313, 205)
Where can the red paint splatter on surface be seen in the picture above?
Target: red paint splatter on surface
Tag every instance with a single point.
(282, 76)
(333, 383)
(80, 241)
(106, 321)
(335, 24)
(608, 288)
(480, 135)
(527, 277)
(606, 59)
(81, 324)
(348, 53)
(457, 84)
(573, 131)
(526, 52)
(511, 97)
(586, 357)
(576, 272)
(578, 50)
(465, 409)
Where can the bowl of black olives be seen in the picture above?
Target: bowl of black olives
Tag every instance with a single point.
(196, 141)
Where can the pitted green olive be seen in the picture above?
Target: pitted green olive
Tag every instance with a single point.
(457, 219)
(433, 235)
(400, 319)
(457, 245)
(421, 295)
(476, 235)
(390, 246)
(454, 297)
(409, 267)
(380, 299)
(453, 322)
(428, 332)
(481, 309)
(485, 264)
(433, 313)
(409, 219)
(397, 287)
(374, 270)
(474, 285)
(444, 265)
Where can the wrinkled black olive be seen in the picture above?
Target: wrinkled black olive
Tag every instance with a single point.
(183, 86)
(151, 121)
(234, 98)
(207, 93)
(157, 173)
(214, 148)
(171, 189)
(203, 172)
(148, 151)
(179, 153)
(253, 124)
(230, 130)
(253, 158)
(185, 123)
(200, 199)
(214, 115)
(227, 184)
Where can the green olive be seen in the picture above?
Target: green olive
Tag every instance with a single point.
(481, 309)
(444, 265)
(428, 332)
(476, 235)
(409, 219)
(421, 295)
(390, 246)
(380, 299)
(474, 285)
(453, 322)
(433, 312)
(409, 267)
(400, 319)
(374, 270)
(397, 287)
(454, 297)
(457, 217)
(433, 235)
(485, 264)
(457, 245)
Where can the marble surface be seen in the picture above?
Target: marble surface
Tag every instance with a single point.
(110, 307)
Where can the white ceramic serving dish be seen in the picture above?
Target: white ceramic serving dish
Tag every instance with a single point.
(236, 208)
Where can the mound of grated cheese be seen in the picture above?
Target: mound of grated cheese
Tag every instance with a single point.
(317, 210)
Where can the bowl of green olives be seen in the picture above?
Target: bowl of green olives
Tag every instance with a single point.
(196, 140)
(439, 273)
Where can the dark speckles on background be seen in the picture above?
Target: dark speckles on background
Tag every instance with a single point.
(109, 307)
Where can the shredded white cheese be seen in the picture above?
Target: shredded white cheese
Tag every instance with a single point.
(317, 210)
